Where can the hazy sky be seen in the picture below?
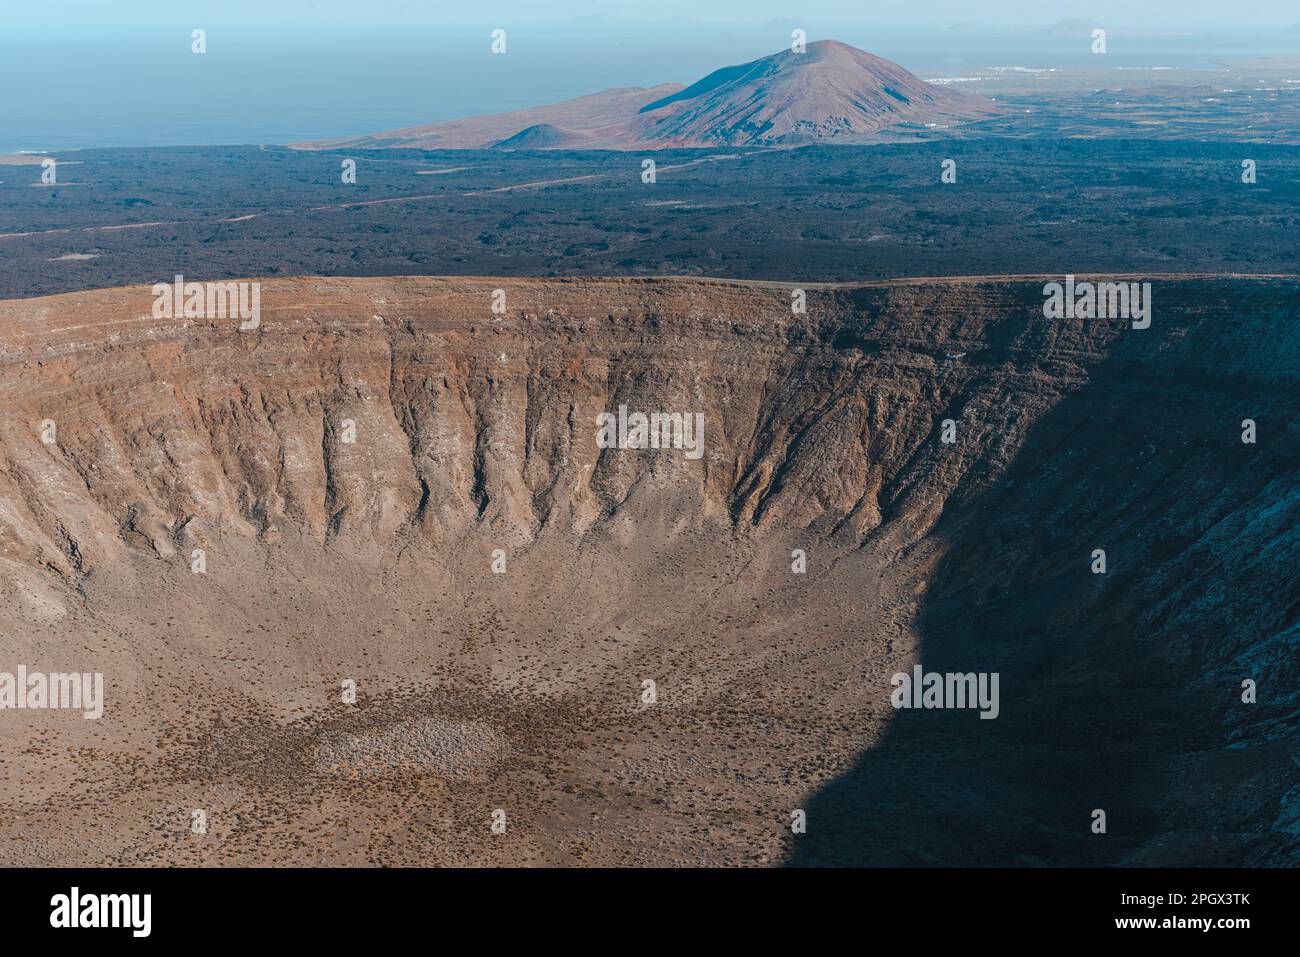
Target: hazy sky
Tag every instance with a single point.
(1170, 15)
(85, 73)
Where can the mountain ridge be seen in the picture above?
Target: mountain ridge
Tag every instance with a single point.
(829, 92)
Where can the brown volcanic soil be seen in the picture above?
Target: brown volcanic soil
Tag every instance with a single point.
(830, 92)
(595, 121)
(370, 561)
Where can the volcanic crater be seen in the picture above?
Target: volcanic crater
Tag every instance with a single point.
(394, 486)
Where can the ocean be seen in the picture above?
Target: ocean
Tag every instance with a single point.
(73, 87)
